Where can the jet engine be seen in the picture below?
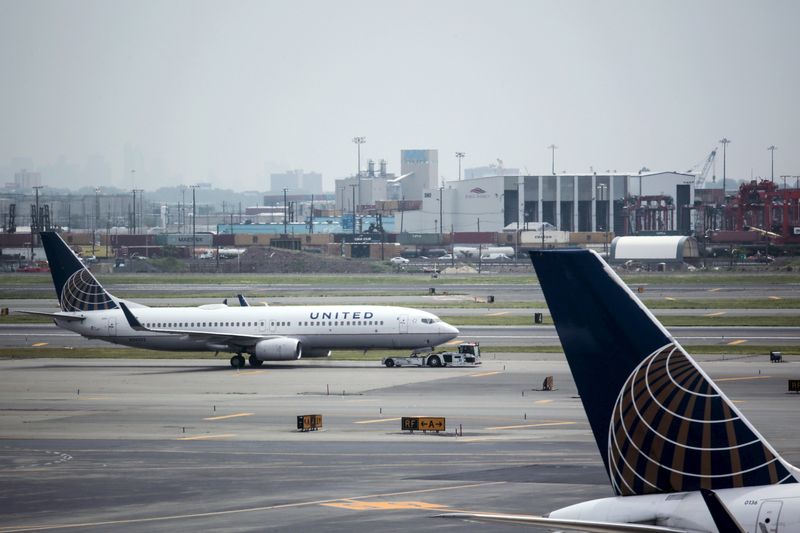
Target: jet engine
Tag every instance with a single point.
(281, 349)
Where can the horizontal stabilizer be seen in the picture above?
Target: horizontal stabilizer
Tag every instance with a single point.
(60, 316)
(723, 518)
(588, 526)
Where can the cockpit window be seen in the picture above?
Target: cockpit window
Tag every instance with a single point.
(429, 320)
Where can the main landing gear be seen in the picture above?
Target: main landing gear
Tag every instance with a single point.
(255, 361)
(237, 361)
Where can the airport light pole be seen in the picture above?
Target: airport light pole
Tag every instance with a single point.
(285, 210)
(38, 220)
(96, 215)
(358, 141)
(725, 142)
(772, 149)
(194, 218)
(553, 149)
(141, 209)
(601, 193)
(460, 156)
(441, 213)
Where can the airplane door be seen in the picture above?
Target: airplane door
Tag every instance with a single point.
(403, 323)
(768, 516)
(112, 327)
(272, 326)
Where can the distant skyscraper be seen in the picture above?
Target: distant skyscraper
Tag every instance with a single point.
(25, 180)
(296, 181)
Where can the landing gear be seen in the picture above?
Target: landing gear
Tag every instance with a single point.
(255, 361)
(237, 361)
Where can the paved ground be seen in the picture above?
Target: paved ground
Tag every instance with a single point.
(19, 335)
(191, 445)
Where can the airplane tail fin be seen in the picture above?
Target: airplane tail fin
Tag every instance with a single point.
(76, 287)
(660, 422)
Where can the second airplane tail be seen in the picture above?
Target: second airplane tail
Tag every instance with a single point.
(660, 422)
(76, 287)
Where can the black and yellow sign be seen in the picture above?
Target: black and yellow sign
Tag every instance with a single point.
(309, 422)
(794, 385)
(423, 423)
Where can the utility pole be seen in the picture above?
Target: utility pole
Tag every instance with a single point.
(311, 225)
(285, 210)
(552, 149)
(460, 156)
(601, 193)
(194, 218)
(140, 224)
(772, 149)
(96, 216)
(38, 218)
(133, 213)
(359, 141)
(441, 213)
(725, 142)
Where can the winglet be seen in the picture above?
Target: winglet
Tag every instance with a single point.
(242, 300)
(133, 322)
(722, 517)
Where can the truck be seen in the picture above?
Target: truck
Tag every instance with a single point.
(468, 354)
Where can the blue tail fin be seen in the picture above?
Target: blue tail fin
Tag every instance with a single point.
(76, 287)
(660, 423)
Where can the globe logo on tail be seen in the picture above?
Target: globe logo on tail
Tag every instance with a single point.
(671, 431)
(83, 293)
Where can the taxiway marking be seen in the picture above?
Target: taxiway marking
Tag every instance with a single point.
(718, 313)
(225, 417)
(717, 289)
(501, 313)
(743, 378)
(384, 506)
(42, 527)
(775, 298)
(376, 421)
(482, 374)
(249, 372)
(38, 344)
(542, 424)
(204, 437)
(544, 401)
(737, 342)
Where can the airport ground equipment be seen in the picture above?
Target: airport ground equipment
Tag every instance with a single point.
(468, 354)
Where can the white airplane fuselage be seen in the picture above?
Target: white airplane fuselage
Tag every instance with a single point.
(316, 327)
(776, 507)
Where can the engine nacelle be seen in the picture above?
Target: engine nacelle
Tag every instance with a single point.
(316, 352)
(281, 349)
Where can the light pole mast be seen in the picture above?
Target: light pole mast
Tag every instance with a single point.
(359, 141)
(772, 149)
(725, 142)
(552, 149)
(460, 156)
(285, 210)
(38, 219)
(194, 218)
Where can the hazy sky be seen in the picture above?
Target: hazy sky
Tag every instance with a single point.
(229, 91)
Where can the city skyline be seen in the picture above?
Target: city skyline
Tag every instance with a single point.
(184, 92)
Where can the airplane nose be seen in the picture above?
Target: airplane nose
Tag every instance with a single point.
(449, 330)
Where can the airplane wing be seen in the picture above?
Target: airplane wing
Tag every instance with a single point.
(61, 315)
(587, 526)
(239, 339)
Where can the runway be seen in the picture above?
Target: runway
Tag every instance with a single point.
(186, 446)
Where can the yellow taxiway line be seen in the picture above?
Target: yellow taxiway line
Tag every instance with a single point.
(377, 420)
(482, 374)
(39, 344)
(737, 342)
(542, 424)
(206, 437)
(718, 313)
(226, 417)
(746, 378)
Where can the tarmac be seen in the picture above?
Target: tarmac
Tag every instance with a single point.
(134, 445)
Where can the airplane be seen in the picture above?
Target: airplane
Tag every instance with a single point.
(679, 455)
(276, 333)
